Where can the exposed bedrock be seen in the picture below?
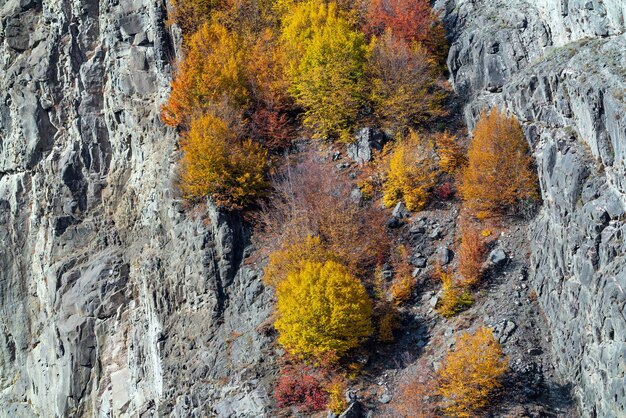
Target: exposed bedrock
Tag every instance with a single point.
(560, 67)
(113, 302)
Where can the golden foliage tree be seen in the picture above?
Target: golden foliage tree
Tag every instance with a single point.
(216, 163)
(451, 154)
(470, 373)
(499, 172)
(213, 72)
(326, 65)
(336, 389)
(455, 298)
(293, 256)
(322, 310)
(404, 84)
(410, 173)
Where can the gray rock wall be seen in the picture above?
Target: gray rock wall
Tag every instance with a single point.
(560, 67)
(112, 301)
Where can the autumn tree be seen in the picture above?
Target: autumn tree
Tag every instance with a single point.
(322, 310)
(470, 373)
(500, 171)
(271, 104)
(215, 163)
(471, 253)
(336, 389)
(451, 153)
(293, 256)
(455, 296)
(191, 14)
(410, 173)
(410, 20)
(326, 64)
(213, 73)
(403, 281)
(311, 198)
(404, 89)
(416, 396)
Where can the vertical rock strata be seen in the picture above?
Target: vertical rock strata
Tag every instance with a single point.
(113, 302)
(560, 67)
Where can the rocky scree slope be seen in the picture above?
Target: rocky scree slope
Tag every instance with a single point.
(560, 67)
(113, 302)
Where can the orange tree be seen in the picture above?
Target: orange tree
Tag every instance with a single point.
(215, 163)
(322, 311)
(451, 154)
(500, 171)
(470, 373)
(213, 72)
(471, 253)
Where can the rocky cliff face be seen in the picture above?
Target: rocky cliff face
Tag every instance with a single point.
(560, 66)
(113, 302)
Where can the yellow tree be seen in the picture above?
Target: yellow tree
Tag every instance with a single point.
(292, 257)
(470, 373)
(404, 83)
(322, 311)
(410, 173)
(500, 171)
(326, 63)
(216, 164)
(455, 297)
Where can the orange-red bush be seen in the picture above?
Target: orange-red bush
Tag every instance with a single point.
(445, 191)
(300, 386)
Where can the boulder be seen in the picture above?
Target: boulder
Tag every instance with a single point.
(445, 256)
(366, 140)
(400, 211)
(498, 258)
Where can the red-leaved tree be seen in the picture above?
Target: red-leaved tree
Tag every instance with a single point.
(411, 20)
